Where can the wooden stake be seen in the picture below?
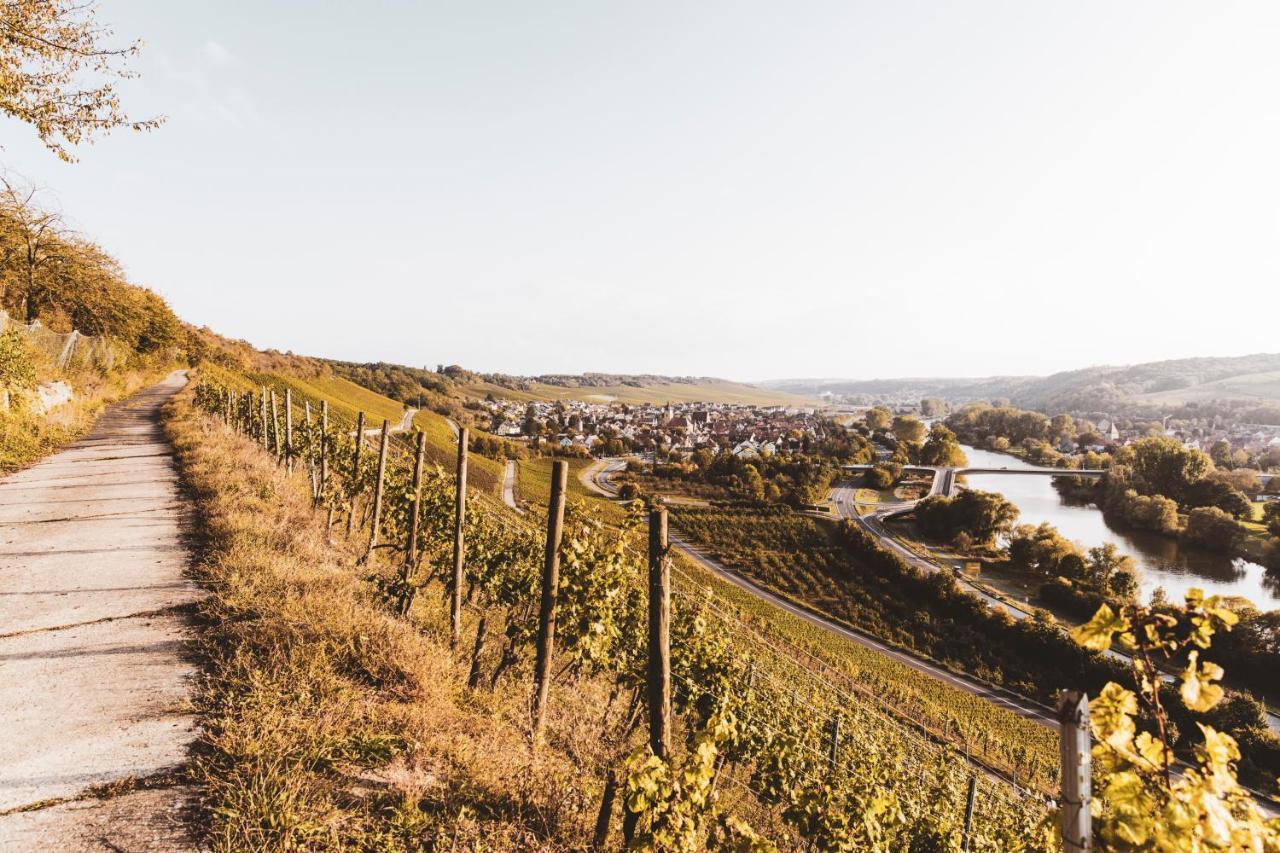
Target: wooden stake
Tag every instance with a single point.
(659, 674)
(605, 815)
(376, 518)
(288, 429)
(311, 454)
(1073, 715)
(968, 814)
(266, 436)
(411, 546)
(550, 589)
(324, 446)
(275, 426)
(355, 471)
(459, 546)
(833, 753)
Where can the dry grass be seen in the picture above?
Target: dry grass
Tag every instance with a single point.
(328, 723)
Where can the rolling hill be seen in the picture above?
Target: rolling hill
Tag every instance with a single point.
(1250, 378)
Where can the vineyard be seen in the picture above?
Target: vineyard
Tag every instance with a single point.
(777, 744)
(833, 568)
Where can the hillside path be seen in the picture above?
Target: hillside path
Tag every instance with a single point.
(95, 675)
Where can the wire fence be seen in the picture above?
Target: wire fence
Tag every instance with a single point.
(66, 350)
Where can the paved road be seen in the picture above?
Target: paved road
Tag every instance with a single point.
(509, 486)
(94, 674)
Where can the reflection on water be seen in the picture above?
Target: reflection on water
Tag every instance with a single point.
(1164, 562)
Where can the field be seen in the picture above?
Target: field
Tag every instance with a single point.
(1250, 386)
(678, 392)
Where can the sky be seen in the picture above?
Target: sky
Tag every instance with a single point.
(752, 190)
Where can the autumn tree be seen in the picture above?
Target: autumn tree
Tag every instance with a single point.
(1165, 466)
(878, 418)
(29, 242)
(57, 72)
(908, 429)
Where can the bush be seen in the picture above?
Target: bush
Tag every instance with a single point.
(1210, 527)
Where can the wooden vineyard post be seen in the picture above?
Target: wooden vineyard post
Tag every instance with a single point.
(355, 471)
(266, 436)
(459, 545)
(226, 407)
(324, 446)
(833, 753)
(375, 517)
(288, 429)
(324, 460)
(311, 453)
(1073, 715)
(968, 813)
(659, 673)
(550, 589)
(411, 546)
(277, 445)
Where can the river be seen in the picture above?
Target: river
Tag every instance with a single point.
(1163, 561)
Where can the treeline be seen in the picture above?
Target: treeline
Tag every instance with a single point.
(1060, 441)
(1154, 481)
(50, 274)
(908, 440)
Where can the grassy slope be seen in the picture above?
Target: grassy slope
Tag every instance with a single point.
(346, 399)
(1259, 386)
(709, 392)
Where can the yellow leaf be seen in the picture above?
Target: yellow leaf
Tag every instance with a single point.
(1198, 691)
(1097, 632)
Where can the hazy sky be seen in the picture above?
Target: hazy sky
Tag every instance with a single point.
(750, 190)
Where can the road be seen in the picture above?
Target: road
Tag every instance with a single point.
(405, 425)
(509, 486)
(95, 667)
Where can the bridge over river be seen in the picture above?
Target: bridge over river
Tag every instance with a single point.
(944, 477)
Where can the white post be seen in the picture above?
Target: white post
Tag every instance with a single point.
(1075, 742)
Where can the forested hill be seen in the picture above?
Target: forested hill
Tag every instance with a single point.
(451, 383)
(1253, 378)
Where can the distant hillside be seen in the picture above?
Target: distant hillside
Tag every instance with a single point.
(1250, 378)
(451, 386)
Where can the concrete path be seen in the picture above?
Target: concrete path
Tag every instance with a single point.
(94, 679)
(509, 486)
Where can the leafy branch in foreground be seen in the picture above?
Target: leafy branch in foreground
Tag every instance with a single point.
(1147, 801)
(47, 47)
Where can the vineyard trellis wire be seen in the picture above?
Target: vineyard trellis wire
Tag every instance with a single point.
(842, 792)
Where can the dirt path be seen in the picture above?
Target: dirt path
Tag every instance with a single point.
(94, 679)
